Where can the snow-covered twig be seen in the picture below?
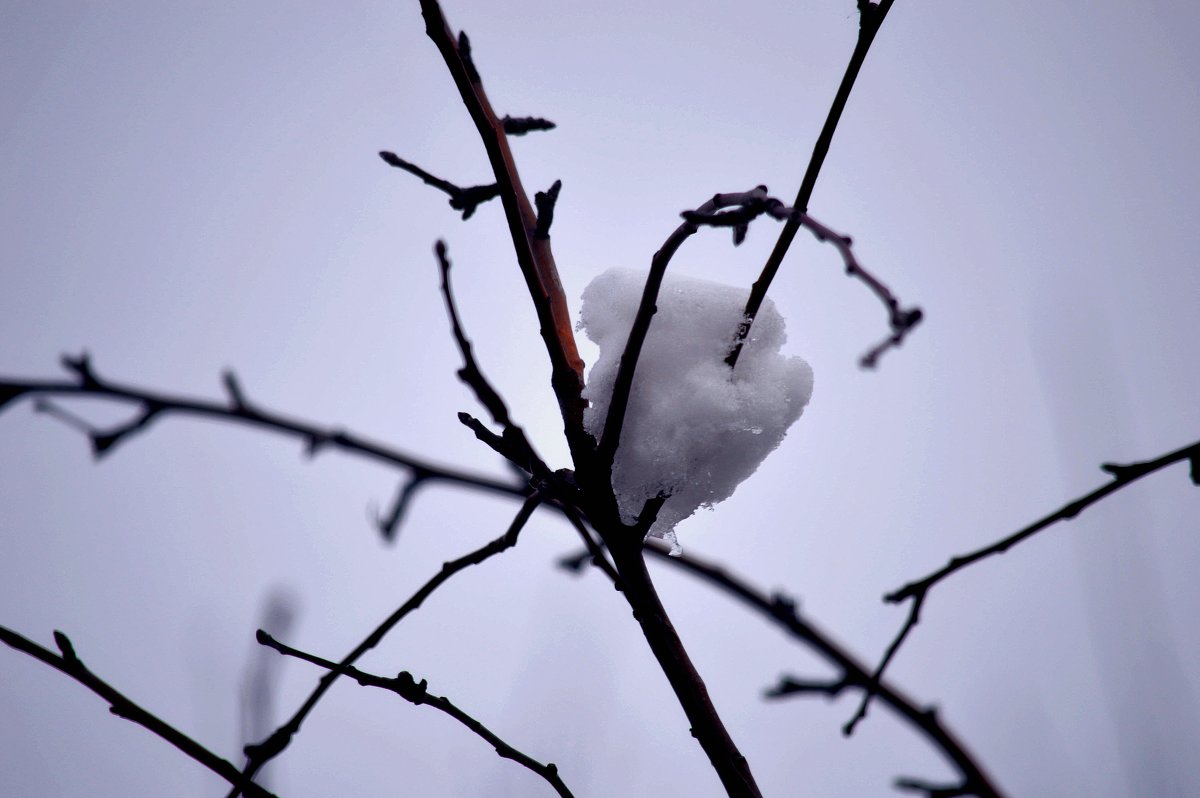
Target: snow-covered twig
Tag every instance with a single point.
(416, 693)
(871, 16)
(259, 754)
(69, 663)
(917, 591)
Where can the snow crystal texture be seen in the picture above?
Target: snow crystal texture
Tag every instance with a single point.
(694, 429)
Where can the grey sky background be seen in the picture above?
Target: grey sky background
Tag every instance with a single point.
(190, 187)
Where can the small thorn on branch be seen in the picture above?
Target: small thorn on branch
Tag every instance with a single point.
(545, 202)
(461, 199)
(65, 648)
(520, 125)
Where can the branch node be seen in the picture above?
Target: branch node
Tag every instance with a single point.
(545, 201)
(520, 125)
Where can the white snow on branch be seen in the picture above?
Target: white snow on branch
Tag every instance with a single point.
(694, 428)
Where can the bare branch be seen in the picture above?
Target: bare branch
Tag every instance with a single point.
(545, 201)
(416, 693)
(261, 753)
(153, 404)
(512, 443)
(916, 592)
(871, 16)
(68, 662)
(534, 255)
(782, 611)
(461, 199)
(932, 790)
(390, 523)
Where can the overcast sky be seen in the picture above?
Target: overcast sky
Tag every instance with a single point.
(187, 187)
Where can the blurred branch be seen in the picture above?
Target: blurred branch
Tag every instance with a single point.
(534, 254)
(871, 16)
(152, 405)
(782, 611)
(69, 663)
(405, 686)
(916, 592)
(259, 754)
(461, 199)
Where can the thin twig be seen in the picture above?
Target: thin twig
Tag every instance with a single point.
(461, 199)
(901, 320)
(512, 442)
(261, 753)
(416, 693)
(871, 16)
(69, 663)
(154, 404)
(917, 591)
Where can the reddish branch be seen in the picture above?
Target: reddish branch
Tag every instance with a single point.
(533, 253)
(871, 16)
(416, 693)
(66, 661)
(916, 592)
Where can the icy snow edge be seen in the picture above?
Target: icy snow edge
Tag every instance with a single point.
(694, 429)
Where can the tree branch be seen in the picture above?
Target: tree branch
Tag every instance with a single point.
(152, 405)
(916, 592)
(533, 254)
(461, 199)
(871, 16)
(69, 663)
(782, 611)
(259, 754)
(405, 686)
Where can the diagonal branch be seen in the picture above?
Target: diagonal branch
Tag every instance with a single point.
(871, 16)
(69, 663)
(782, 611)
(461, 199)
(261, 753)
(916, 592)
(534, 255)
(416, 693)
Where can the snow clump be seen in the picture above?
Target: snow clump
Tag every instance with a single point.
(694, 429)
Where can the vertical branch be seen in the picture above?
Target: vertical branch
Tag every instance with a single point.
(871, 16)
(533, 252)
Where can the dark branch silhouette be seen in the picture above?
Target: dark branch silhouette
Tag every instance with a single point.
(66, 661)
(259, 754)
(916, 592)
(416, 693)
(870, 17)
(520, 125)
(461, 199)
